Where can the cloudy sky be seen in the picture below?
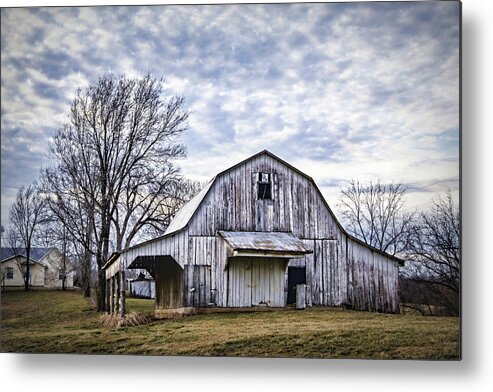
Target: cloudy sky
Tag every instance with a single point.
(342, 91)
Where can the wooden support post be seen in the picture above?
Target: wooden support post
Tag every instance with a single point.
(108, 283)
(117, 293)
(112, 299)
(122, 294)
(113, 294)
(107, 305)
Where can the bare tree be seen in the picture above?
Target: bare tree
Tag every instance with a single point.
(375, 214)
(53, 233)
(26, 215)
(75, 212)
(120, 138)
(435, 257)
(141, 203)
(2, 233)
(16, 250)
(179, 193)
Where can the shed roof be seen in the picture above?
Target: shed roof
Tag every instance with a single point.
(264, 242)
(185, 213)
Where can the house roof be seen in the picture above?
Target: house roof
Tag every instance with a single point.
(36, 254)
(185, 214)
(141, 278)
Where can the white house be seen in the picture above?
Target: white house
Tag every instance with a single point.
(46, 268)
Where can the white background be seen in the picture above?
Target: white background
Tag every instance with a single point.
(473, 373)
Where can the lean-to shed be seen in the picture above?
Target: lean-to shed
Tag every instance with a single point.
(248, 238)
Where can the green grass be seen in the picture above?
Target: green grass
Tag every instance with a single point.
(64, 322)
(139, 305)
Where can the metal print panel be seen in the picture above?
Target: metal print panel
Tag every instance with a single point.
(266, 180)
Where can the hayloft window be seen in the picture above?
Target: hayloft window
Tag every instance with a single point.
(264, 186)
(10, 272)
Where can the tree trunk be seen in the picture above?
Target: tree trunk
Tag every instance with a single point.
(101, 293)
(86, 273)
(86, 267)
(64, 259)
(101, 290)
(102, 257)
(122, 293)
(28, 270)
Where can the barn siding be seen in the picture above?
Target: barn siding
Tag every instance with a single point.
(220, 273)
(374, 280)
(197, 285)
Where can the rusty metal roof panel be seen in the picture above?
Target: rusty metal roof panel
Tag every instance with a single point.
(264, 241)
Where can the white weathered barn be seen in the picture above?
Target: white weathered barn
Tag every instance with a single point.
(253, 233)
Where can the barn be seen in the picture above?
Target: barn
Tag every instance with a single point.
(255, 232)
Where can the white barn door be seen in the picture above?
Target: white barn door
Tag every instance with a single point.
(256, 282)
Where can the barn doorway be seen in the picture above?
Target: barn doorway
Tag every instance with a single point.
(168, 275)
(296, 275)
(169, 285)
(256, 281)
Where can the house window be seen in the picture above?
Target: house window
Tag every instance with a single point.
(61, 273)
(264, 186)
(10, 272)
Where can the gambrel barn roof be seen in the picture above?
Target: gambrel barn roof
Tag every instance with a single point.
(186, 213)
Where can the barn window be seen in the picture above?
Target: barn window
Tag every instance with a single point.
(264, 186)
(10, 272)
(61, 273)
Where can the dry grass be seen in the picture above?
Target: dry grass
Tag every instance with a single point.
(64, 322)
(129, 320)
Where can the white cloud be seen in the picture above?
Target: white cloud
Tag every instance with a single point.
(346, 91)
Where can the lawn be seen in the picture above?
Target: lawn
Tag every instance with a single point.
(65, 322)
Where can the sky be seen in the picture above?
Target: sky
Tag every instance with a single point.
(342, 91)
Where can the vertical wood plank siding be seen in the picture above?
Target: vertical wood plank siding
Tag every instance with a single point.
(374, 283)
(256, 282)
(340, 271)
(295, 207)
